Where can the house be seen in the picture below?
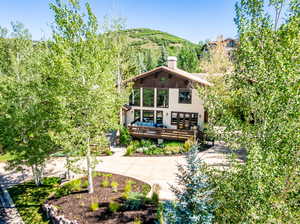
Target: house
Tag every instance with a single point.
(229, 44)
(164, 104)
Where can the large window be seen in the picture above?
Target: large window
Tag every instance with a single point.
(135, 97)
(137, 115)
(159, 117)
(184, 120)
(148, 116)
(148, 97)
(185, 96)
(162, 98)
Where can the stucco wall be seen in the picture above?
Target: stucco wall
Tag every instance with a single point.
(195, 107)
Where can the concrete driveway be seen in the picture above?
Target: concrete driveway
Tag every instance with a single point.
(152, 170)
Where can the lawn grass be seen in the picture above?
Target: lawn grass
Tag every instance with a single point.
(29, 198)
(5, 157)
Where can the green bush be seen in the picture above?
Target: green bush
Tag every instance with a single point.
(84, 183)
(187, 145)
(132, 148)
(154, 150)
(75, 185)
(172, 149)
(114, 206)
(52, 181)
(146, 143)
(114, 185)
(63, 191)
(155, 198)
(127, 189)
(94, 206)
(145, 189)
(105, 183)
(134, 201)
(125, 137)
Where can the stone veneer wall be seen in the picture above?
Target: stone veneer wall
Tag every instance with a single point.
(52, 214)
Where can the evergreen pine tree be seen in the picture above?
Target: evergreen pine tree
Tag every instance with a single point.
(193, 204)
(162, 60)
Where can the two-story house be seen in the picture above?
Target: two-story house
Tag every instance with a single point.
(164, 104)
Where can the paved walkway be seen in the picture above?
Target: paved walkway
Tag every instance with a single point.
(153, 170)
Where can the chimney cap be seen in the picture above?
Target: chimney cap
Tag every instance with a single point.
(172, 58)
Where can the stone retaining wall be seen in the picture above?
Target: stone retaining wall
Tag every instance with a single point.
(52, 214)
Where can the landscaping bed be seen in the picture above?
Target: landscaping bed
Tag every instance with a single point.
(117, 199)
(141, 148)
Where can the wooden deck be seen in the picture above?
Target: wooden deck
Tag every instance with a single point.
(162, 133)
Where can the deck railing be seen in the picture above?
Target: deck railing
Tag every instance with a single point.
(163, 133)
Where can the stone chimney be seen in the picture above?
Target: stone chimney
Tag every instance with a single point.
(172, 62)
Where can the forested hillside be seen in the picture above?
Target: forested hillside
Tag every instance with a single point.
(153, 47)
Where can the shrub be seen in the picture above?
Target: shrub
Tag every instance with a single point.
(137, 220)
(146, 143)
(132, 148)
(107, 175)
(172, 149)
(114, 206)
(134, 201)
(125, 137)
(75, 185)
(108, 152)
(96, 174)
(145, 189)
(63, 191)
(127, 189)
(105, 183)
(94, 206)
(154, 150)
(53, 181)
(84, 183)
(188, 144)
(114, 185)
(155, 198)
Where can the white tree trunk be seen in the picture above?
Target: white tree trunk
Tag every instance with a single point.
(89, 168)
(37, 172)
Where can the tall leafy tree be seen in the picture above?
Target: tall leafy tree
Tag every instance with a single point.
(28, 109)
(262, 117)
(87, 68)
(216, 60)
(188, 59)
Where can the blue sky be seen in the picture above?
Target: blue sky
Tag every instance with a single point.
(194, 20)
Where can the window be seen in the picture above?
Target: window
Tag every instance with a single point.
(148, 116)
(185, 96)
(148, 97)
(184, 120)
(162, 98)
(137, 115)
(134, 99)
(159, 117)
(174, 118)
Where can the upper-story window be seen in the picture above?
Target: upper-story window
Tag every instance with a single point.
(135, 97)
(162, 98)
(148, 97)
(185, 96)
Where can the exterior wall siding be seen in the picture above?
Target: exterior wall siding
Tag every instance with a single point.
(174, 106)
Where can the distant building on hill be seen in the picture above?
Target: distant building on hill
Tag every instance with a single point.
(229, 44)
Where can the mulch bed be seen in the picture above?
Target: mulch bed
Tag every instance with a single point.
(76, 206)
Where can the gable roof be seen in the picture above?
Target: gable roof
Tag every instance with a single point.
(178, 72)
